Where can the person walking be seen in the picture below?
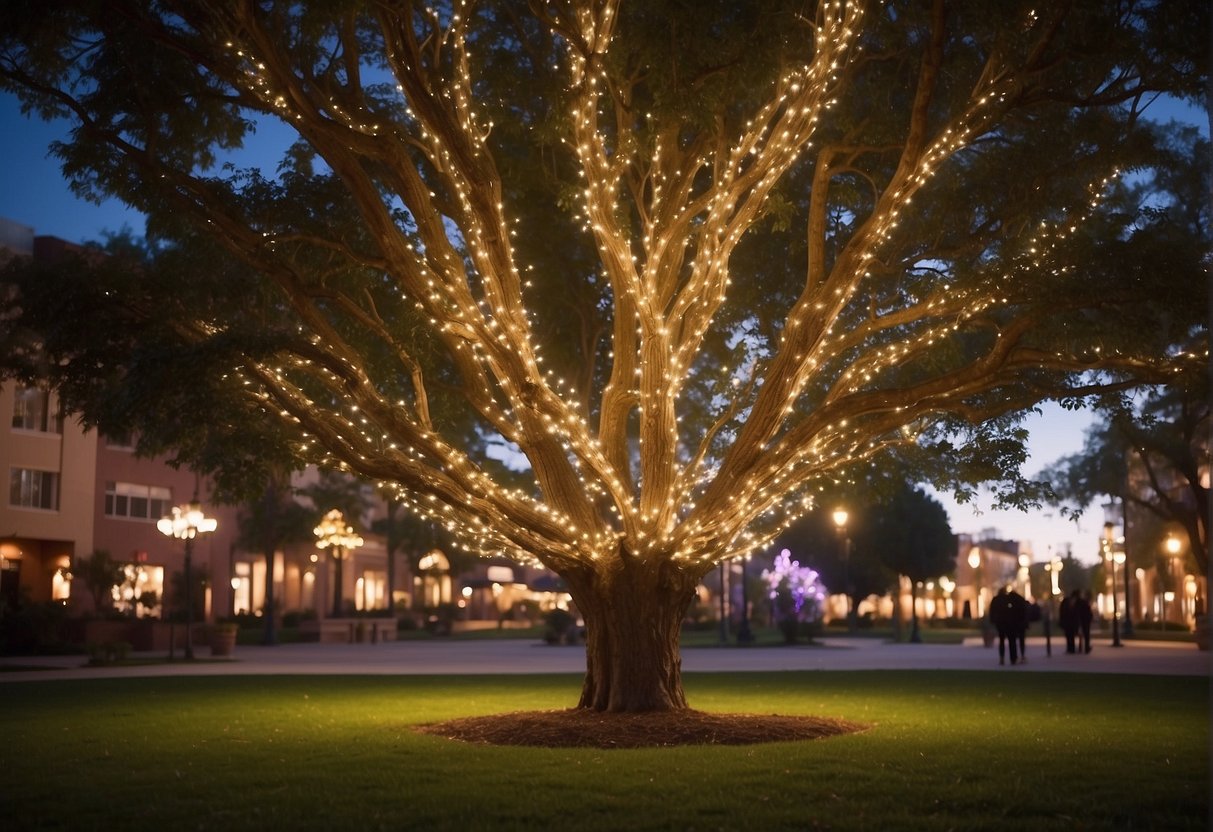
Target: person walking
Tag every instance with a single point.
(1067, 616)
(1084, 620)
(1008, 617)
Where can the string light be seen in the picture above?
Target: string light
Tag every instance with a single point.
(665, 219)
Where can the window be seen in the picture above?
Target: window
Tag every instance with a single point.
(32, 411)
(140, 592)
(61, 585)
(242, 588)
(139, 502)
(125, 442)
(34, 489)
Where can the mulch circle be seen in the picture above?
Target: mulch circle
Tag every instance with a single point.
(580, 728)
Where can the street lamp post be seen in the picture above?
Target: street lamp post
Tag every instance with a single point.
(1053, 567)
(975, 565)
(1111, 559)
(1113, 513)
(185, 523)
(335, 534)
(840, 523)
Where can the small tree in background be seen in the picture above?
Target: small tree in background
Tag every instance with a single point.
(266, 524)
(795, 593)
(99, 573)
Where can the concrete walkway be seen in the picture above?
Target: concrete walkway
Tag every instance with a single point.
(524, 656)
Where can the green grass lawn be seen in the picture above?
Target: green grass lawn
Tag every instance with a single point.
(946, 750)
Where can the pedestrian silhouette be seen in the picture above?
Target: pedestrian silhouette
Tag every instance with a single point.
(1084, 620)
(1067, 615)
(1009, 615)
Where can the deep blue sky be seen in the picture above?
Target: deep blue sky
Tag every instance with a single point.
(34, 193)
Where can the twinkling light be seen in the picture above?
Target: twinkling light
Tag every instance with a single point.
(630, 473)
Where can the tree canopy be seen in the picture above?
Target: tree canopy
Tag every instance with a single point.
(1151, 454)
(690, 262)
(892, 529)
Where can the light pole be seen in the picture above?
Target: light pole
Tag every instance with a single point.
(1113, 513)
(185, 523)
(975, 565)
(1172, 546)
(1111, 557)
(334, 533)
(1053, 567)
(840, 523)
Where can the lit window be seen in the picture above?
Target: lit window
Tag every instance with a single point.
(29, 488)
(138, 502)
(61, 585)
(242, 588)
(140, 592)
(32, 411)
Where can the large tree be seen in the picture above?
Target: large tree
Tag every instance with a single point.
(688, 261)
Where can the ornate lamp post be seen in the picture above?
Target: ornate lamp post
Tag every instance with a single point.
(840, 523)
(185, 523)
(335, 534)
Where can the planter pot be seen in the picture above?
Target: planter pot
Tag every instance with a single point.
(223, 639)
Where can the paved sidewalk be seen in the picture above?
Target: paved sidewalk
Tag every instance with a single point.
(524, 656)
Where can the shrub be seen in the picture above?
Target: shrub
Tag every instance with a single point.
(108, 652)
(31, 629)
(560, 628)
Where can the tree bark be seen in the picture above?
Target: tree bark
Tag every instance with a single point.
(633, 615)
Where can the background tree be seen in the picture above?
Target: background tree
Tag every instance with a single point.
(394, 527)
(99, 573)
(855, 571)
(415, 538)
(267, 524)
(690, 262)
(1152, 455)
(910, 531)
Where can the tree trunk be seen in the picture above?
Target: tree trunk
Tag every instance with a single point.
(269, 636)
(338, 591)
(633, 615)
